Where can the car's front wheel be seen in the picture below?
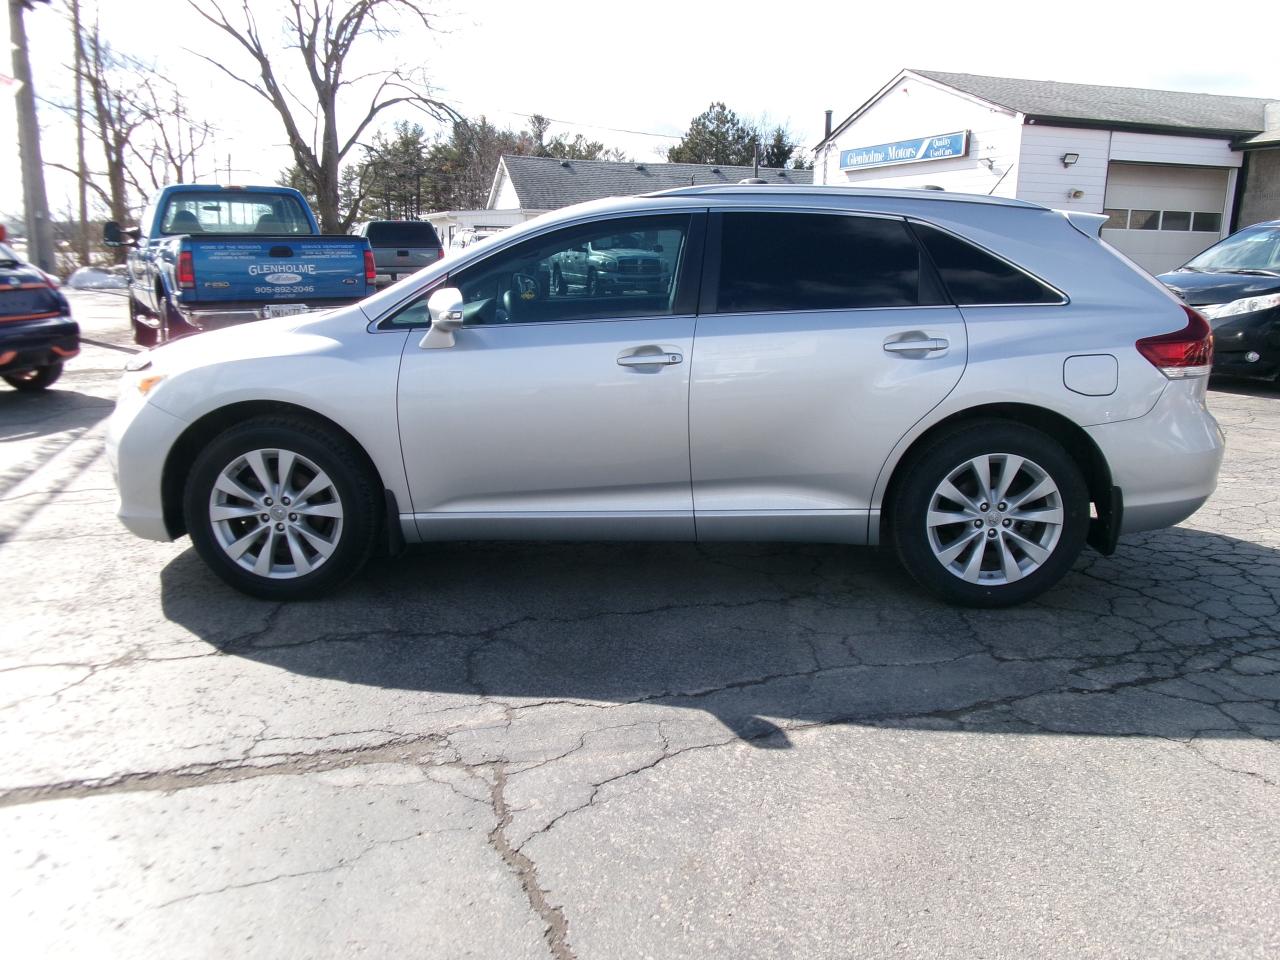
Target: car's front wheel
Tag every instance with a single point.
(281, 509)
(990, 515)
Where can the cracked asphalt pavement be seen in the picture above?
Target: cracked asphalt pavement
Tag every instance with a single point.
(628, 750)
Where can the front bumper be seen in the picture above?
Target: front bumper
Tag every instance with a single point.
(1166, 463)
(1236, 338)
(28, 344)
(139, 438)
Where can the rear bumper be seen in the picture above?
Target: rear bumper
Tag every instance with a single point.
(1166, 463)
(27, 344)
(216, 316)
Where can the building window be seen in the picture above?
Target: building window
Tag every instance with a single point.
(1207, 222)
(1116, 219)
(1176, 220)
(1144, 219)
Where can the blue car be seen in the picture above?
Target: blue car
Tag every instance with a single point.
(37, 334)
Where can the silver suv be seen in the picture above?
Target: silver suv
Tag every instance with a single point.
(980, 384)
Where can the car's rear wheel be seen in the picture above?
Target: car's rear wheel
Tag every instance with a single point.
(557, 283)
(990, 515)
(281, 509)
(36, 379)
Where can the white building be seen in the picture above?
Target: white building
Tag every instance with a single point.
(1166, 166)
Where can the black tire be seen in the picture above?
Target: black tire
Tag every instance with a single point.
(357, 492)
(925, 471)
(35, 380)
(557, 283)
(593, 284)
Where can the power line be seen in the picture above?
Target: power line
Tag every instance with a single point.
(579, 123)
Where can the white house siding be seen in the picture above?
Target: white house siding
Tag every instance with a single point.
(1158, 148)
(1043, 179)
(506, 198)
(918, 108)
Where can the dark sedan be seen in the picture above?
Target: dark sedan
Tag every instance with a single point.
(37, 334)
(1236, 285)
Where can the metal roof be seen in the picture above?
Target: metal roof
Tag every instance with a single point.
(546, 183)
(1130, 106)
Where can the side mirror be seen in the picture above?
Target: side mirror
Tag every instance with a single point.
(444, 307)
(111, 234)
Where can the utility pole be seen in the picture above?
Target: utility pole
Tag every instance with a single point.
(82, 246)
(35, 203)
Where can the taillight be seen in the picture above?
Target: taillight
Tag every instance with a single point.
(1186, 353)
(186, 270)
(370, 269)
(439, 253)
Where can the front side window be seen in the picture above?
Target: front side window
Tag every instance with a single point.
(227, 212)
(973, 276)
(611, 269)
(804, 261)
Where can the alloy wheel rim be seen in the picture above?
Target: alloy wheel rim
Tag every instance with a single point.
(275, 513)
(995, 519)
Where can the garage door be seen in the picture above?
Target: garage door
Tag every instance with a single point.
(1163, 216)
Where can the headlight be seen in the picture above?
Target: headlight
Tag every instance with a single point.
(1244, 305)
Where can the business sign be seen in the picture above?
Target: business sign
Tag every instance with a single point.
(941, 147)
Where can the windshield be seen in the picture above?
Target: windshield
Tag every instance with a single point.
(7, 255)
(230, 213)
(1254, 249)
(620, 241)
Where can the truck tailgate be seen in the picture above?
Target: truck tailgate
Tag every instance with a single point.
(288, 269)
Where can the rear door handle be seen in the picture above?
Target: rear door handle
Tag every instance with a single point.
(908, 346)
(632, 359)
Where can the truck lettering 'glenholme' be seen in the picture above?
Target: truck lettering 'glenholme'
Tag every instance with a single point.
(209, 256)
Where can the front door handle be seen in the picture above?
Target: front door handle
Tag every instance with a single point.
(910, 346)
(649, 359)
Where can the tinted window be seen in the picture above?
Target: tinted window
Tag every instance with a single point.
(401, 233)
(800, 261)
(607, 270)
(974, 276)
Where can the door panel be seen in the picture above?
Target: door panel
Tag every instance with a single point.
(820, 342)
(797, 412)
(542, 418)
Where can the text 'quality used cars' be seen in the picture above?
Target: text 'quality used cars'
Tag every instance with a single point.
(980, 383)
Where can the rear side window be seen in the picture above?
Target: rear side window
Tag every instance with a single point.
(973, 276)
(408, 233)
(804, 261)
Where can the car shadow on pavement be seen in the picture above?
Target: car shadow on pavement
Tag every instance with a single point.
(29, 416)
(1176, 635)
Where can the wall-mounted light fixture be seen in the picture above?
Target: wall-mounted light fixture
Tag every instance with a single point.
(1075, 194)
(1069, 158)
(991, 164)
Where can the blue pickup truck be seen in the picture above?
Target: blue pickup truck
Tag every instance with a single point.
(209, 256)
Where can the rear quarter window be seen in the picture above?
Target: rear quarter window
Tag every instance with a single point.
(972, 276)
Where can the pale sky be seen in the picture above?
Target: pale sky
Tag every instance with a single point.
(649, 66)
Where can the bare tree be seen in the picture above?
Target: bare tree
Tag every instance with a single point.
(173, 142)
(324, 36)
